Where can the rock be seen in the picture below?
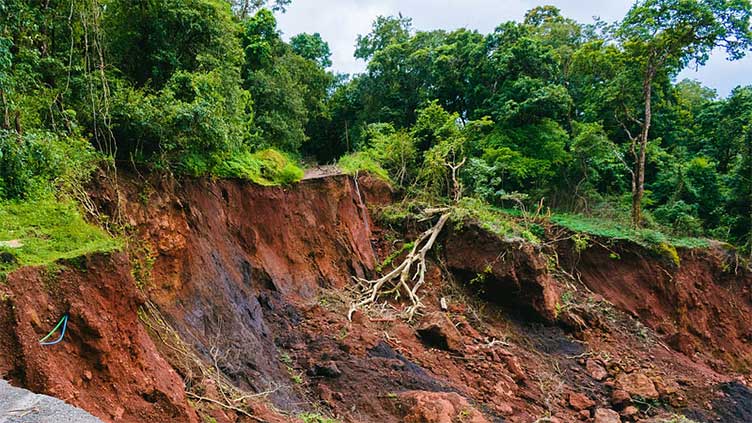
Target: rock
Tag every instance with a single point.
(14, 402)
(437, 331)
(682, 342)
(438, 407)
(514, 366)
(596, 370)
(580, 401)
(620, 397)
(630, 411)
(326, 369)
(664, 389)
(637, 384)
(7, 258)
(88, 375)
(584, 414)
(358, 317)
(604, 415)
(13, 243)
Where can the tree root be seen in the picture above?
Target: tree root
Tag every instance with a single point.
(400, 279)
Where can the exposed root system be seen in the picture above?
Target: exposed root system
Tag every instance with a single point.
(402, 279)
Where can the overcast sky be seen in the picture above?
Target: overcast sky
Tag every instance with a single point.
(340, 21)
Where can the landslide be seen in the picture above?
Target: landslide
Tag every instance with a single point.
(255, 282)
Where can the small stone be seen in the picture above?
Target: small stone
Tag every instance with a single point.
(584, 414)
(630, 411)
(580, 401)
(596, 370)
(327, 369)
(87, 375)
(620, 397)
(7, 258)
(637, 384)
(604, 415)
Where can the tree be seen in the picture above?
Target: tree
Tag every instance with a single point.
(244, 8)
(312, 47)
(287, 89)
(385, 30)
(659, 38)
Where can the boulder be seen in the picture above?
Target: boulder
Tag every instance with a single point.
(437, 331)
(596, 370)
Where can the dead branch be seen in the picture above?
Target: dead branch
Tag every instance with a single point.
(401, 277)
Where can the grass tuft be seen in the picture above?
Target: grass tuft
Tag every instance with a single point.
(615, 230)
(42, 232)
(362, 162)
(267, 167)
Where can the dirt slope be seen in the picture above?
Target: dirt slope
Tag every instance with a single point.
(107, 363)
(254, 281)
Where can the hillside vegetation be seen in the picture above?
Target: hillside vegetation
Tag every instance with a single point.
(584, 119)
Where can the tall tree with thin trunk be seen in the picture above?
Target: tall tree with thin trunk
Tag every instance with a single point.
(661, 37)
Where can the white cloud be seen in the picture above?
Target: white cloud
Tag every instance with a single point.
(340, 21)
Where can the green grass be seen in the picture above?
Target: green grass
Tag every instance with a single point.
(616, 230)
(267, 167)
(494, 220)
(48, 231)
(362, 162)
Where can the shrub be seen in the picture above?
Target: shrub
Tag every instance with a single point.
(362, 162)
(40, 164)
(267, 167)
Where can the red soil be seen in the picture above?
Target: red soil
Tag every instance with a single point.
(254, 280)
(106, 364)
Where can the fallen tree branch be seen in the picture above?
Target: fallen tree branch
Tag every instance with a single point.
(401, 277)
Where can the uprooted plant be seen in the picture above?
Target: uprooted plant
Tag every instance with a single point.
(407, 278)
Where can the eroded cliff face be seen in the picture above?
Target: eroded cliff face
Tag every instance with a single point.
(699, 302)
(107, 364)
(255, 282)
(231, 258)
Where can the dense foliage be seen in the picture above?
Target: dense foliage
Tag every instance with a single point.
(588, 117)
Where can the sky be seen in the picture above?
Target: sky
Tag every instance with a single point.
(340, 21)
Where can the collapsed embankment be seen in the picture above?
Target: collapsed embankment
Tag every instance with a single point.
(252, 281)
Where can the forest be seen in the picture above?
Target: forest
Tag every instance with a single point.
(580, 119)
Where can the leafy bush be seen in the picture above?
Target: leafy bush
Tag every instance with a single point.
(362, 162)
(266, 167)
(679, 216)
(196, 113)
(40, 164)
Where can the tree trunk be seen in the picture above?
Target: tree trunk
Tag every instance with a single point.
(638, 176)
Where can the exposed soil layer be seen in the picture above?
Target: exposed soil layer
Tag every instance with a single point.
(255, 281)
(106, 364)
(229, 256)
(700, 305)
